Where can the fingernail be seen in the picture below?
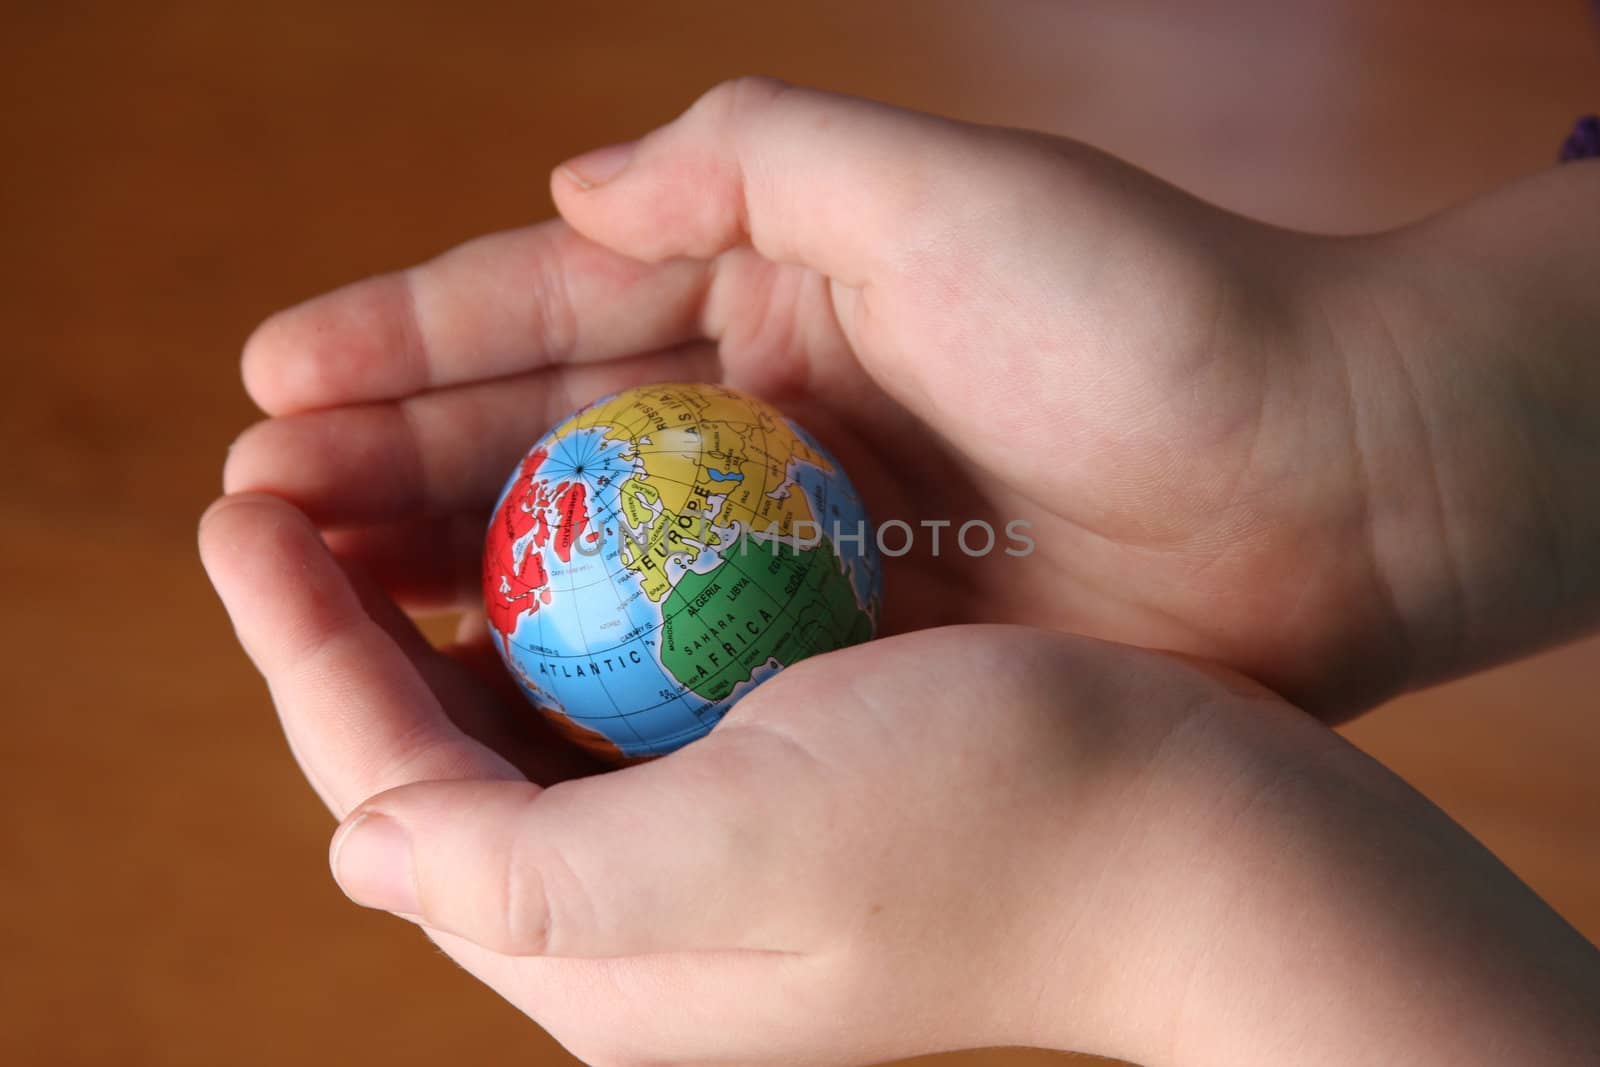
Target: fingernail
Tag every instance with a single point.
(372, 864)
(600, 166)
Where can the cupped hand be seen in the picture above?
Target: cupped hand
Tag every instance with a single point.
(963, 836)
(985, 325)
(879, 852)
(864, 860)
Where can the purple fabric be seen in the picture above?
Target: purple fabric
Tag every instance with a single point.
(1584, 142)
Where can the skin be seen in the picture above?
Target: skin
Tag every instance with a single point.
(1340, 468)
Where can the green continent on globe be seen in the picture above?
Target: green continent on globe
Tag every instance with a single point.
(767, 600)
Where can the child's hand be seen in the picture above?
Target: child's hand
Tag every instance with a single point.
(959, 837)
(1226, 438)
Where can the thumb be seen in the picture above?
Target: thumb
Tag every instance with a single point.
(844, 186)
(637, 861)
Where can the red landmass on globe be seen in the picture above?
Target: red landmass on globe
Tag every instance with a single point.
(510, 586)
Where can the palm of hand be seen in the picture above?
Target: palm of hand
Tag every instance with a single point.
(1005, 326)
(1138, 458)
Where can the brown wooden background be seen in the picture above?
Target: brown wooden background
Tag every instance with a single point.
(171, 172)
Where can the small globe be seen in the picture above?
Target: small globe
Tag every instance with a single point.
(665, 550)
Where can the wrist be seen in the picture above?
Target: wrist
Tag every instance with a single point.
(1474, 412)
(1154, 884)
(1341, 917)
(1272, 895)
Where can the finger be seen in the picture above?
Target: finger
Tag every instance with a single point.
(659, 857)
(475, 690)
(500, 305)
(358, 715)
(462, 695)
(436, 453)
(838, 184)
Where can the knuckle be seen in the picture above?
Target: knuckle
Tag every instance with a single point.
(543, 903)
(525, 908)
(551, 320)
(721, 153)
(737, 95)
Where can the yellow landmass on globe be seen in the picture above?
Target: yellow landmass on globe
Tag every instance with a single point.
(712, 457)
(655, 533)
